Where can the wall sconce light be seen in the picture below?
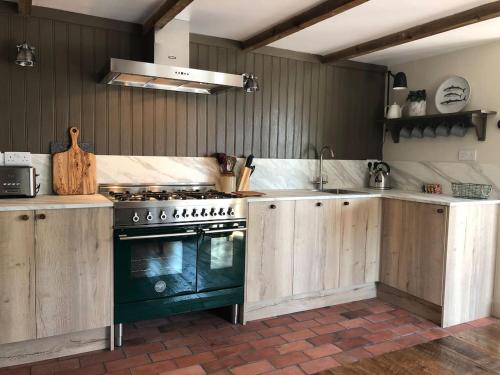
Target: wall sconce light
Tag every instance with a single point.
(25, 55)
(250, 83)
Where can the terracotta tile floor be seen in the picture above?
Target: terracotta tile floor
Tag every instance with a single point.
(203, 343)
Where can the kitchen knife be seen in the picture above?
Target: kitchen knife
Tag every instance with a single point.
(249, 161)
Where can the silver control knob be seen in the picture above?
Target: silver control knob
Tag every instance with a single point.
(194, 213)
(163, 215)
(176, 214)
(185, 213)
(230, 212)
(212, 212)
(222, 212)
(149, 216)
(135, 218)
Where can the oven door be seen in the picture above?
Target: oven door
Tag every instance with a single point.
(155, 263)
(221, 256)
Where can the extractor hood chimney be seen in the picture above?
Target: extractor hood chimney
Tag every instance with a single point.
(170, 70)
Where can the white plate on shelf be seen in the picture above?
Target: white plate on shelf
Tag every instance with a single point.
(452, 95)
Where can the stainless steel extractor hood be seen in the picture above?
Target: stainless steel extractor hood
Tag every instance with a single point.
(170, 71)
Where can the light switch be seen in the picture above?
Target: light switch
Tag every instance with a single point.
(467, 155)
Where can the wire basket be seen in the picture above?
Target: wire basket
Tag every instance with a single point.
(471, 191)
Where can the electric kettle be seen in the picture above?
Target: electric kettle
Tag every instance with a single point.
(379, 176)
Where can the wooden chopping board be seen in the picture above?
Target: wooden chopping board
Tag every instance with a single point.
(74, 170)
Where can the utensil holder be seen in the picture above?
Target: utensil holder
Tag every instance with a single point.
(227, 182)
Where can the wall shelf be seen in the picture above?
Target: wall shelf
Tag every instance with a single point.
(471, 119)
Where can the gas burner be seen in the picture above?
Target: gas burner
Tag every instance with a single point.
(157, 205)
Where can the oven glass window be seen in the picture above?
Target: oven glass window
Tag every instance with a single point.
(221, 255)
(156, 258)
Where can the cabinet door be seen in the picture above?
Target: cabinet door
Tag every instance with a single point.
(269, 250)
(360, 241)
(73, 270)
(316, 245)
(413, 248)
(17, 277)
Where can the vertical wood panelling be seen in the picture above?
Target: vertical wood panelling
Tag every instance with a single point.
(5, 97)
(211, 107)
(87, 59)
(265, 86)
(299, 102)
(171, 123)
(100, 122)
(113, 50)
(221, 102)
(282, 107)
(306, 111)
(160, 123)
(33, 113)
(148, 122)
(249, 110)
(257, 109)
(201, 105)
(275, 88)
(301, 106)
(18, 93)
(290, 112)
(231, 105)
(61, 79)
(313, 113)
(47, 85)
(240, 108)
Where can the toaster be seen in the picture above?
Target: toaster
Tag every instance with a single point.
(17, 182)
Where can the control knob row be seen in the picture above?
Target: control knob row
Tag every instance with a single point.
(186, 214)
(149, 216)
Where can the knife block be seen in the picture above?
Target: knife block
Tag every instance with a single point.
(244, 184)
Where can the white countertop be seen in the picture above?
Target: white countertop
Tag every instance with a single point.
(441, 199)
(50, 202)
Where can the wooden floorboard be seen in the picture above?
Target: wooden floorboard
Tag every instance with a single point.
(475, 351)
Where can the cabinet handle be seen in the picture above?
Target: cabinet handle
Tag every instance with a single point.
(272, 207)
(41, 216)
(25, 217)
(440, 210)
(346, 203)
(319, 204)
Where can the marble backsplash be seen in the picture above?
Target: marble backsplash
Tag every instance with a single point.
(269, 173)
(278, 173)
(411, 175)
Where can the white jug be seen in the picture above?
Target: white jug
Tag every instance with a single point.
(394, 111)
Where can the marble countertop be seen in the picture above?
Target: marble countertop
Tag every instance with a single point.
(50, 202)
(446, 200)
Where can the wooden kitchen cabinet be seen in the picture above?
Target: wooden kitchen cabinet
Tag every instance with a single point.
(316, 245)
(310, 253)
(269, 273)
(73, 270)
(360, 241)
(17, 277)
(413, 248)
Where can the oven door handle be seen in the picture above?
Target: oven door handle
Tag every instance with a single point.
(208, 231)
(169, 235)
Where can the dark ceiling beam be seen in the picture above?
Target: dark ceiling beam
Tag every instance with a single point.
(455, 21)
(24, 7)
(299, 22)
(165, 13)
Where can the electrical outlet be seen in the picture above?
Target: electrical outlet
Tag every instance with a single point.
(467, 155)
(17, 159)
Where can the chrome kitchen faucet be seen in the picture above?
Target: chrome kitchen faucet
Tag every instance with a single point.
(320, 181)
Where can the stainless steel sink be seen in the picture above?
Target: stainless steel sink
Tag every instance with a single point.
(341, 191)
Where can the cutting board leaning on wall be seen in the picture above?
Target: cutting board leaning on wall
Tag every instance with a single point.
(74, 170)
